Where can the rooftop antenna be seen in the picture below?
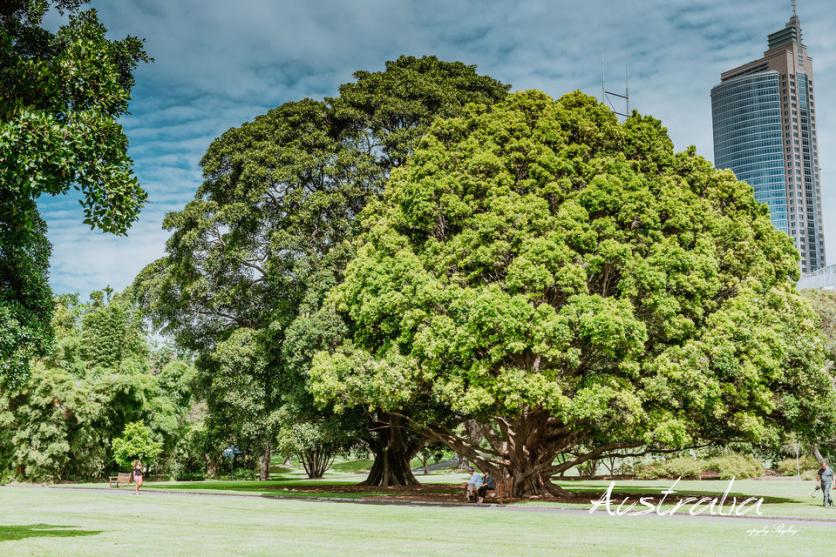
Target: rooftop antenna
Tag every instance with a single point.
(607, 96)
(794, 6)
(603, 89)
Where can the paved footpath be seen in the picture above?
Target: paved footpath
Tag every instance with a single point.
(828, 520)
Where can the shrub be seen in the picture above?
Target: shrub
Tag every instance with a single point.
(684, 467)
(787, 467)
(243, 474)
(649, 471)
(735, 465)
(688, 468)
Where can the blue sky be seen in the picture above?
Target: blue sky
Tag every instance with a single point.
(221, 63)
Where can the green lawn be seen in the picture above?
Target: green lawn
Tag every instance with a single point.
(50, 521)
(783, 497)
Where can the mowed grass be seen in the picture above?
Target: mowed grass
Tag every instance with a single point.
(289, 484)
(785, 497)
(55, 521)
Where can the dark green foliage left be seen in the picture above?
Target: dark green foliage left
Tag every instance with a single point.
(25, 297)
(61, 96)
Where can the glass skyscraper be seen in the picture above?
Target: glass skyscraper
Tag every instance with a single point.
(765, 131)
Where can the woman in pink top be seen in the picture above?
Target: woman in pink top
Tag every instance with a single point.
(137, 476)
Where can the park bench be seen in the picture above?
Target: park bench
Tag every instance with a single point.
(504, 490)
(121, 478)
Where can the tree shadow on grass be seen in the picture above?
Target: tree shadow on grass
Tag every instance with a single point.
(23, 531)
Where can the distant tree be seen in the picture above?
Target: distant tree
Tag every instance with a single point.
(61, 97)
(574, 286)
(824, 304)
(430, 452)
(314, 443)
(243, 395)
(53, 429)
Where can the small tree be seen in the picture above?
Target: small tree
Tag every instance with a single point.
(314, 443)
(136, 443)
(431, 451)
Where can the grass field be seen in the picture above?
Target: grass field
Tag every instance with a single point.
(231, 518)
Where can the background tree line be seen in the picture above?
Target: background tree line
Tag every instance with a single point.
(100, 380)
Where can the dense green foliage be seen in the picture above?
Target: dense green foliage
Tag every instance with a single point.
(250, 258)
(575, 286)
(99, 377)
(25, 297)
(61, 95)
(824, 304)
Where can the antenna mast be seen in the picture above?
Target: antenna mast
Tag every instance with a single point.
(607, 96)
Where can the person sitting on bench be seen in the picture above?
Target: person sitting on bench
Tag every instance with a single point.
(473, 486)
(488, 484)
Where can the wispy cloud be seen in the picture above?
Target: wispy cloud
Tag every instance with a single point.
(219, 64)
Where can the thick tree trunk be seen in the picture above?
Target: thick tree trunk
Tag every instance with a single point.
(211, 468)
(530, 469)
(393, 448)
(528, 454)
(521, 451)
(391, 468)
(533, 484)
(264, 467)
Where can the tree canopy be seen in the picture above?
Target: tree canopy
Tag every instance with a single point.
(266, 235)
(576, 287)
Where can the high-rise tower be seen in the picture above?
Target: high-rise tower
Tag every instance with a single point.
(764, 116)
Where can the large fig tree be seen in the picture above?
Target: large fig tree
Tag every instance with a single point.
(576, 287)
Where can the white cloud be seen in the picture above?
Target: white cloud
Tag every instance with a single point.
(219, 64)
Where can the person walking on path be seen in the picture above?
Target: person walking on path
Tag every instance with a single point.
(825, 478)
(137, 476)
